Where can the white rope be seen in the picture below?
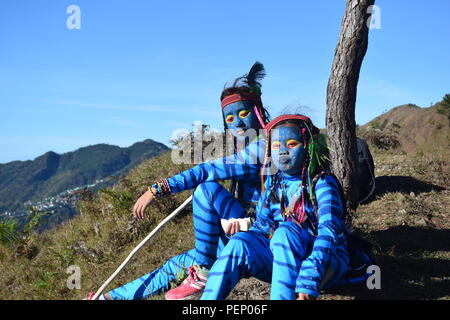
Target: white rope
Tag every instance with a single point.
(136, 249)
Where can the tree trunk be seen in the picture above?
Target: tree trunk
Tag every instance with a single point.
(341, 98)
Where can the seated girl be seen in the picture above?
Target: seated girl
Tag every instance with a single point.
(243, 112)
(299, 239)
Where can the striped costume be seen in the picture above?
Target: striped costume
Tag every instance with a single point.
(291, 257)
(211, 202)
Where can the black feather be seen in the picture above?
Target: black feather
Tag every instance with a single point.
(256, 74)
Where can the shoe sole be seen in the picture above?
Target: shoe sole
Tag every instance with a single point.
(195, 296)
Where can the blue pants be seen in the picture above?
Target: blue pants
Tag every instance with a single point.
(277, 261)
(211, 202)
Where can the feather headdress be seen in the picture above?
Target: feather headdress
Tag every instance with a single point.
(252, 78)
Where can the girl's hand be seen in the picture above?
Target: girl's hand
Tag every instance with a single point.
(232, 228)
(142, 204)
(304, 296)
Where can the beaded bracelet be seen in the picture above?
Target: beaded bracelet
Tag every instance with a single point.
(151, 191)
(164, 186)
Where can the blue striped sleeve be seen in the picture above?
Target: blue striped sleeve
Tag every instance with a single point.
(245, 164)
(330, 212)
(264, 221)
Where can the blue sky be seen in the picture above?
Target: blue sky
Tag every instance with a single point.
(141, 69)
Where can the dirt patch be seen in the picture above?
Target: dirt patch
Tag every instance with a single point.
(250, 289)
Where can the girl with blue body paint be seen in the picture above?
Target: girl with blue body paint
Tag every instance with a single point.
(243, 112)
(300, 250)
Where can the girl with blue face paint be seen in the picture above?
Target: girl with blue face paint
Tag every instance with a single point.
(298, 242)
(211, 201)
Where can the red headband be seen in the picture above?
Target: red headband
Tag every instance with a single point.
(271, 124)
(244, 96)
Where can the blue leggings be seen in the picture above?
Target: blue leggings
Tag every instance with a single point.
(211, 202)
(277, 261)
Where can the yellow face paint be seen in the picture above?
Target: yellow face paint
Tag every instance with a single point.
(276, 145)
(293, 143)
(244, 114)
(229, 118)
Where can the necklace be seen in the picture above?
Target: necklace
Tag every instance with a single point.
(290, 211)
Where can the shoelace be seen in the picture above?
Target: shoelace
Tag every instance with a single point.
(193, 276)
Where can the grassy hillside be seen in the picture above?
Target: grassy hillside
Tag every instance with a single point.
(408, 220)
(411, 129)
(96, 240)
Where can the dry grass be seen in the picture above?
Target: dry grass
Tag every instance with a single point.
(408, 220)
(97, 240)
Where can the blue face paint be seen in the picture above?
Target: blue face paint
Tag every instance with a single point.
(287, 149)
(239, 117)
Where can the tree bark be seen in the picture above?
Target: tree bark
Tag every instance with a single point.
(341, 98)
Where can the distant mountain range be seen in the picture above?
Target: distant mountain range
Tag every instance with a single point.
(41, 180)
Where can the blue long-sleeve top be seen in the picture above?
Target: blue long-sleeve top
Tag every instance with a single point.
(244, 165)
(329, 224)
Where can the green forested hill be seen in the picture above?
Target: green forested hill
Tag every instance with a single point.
(53, 173)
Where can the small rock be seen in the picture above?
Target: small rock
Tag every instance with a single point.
(421, 223)
(82, 248)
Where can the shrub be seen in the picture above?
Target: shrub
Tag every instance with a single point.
(383, 140)
(8, 231)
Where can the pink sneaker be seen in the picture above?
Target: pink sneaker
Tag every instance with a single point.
(90, 296)
(192, 287)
